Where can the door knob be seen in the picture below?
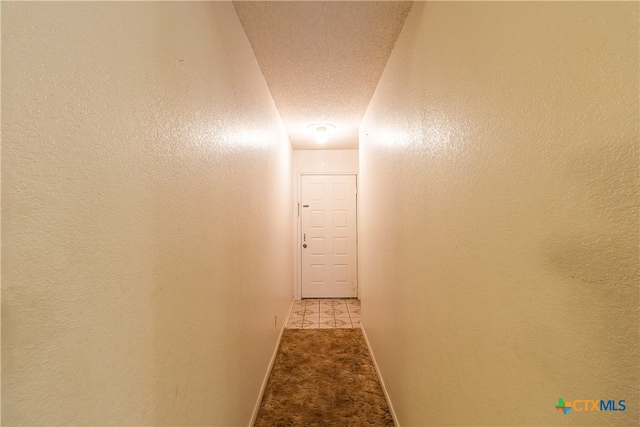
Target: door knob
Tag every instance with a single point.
(304, 246)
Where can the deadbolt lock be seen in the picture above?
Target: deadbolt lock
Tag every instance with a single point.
(304, 246)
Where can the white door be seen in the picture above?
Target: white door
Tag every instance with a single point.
(328, 236)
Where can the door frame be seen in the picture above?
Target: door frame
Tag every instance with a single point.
(297, 276)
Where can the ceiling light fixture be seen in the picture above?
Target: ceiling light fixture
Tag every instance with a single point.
(321, 131)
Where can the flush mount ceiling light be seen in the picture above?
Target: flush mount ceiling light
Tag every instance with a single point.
(321, 131)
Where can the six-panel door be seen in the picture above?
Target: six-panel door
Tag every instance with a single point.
(328, 236)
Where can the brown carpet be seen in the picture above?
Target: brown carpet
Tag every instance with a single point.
(323, 377)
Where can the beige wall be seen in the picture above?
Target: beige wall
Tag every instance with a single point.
(499, 213)
(320, 162)
(146, 215)
(325, 161)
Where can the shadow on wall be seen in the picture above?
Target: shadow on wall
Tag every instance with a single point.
(510, 234)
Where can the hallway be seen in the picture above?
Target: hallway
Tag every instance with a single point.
(152, 161)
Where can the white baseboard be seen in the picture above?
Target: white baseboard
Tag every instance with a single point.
(256, 409)
(384, 389)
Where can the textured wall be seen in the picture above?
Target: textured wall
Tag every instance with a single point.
(146, 215)
(499, 213)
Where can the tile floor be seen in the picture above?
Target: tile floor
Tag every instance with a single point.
(325, 313)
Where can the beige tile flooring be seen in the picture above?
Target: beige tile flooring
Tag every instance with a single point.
(325, 313)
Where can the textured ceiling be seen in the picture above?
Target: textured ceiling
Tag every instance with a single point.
(322, 60)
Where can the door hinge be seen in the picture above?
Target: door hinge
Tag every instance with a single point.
(298, 209)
